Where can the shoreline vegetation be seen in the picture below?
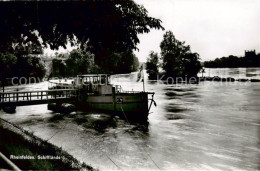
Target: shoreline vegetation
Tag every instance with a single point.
(250, 59)
(29, 152)
(28, 66)
(175, 61)
(79, 62)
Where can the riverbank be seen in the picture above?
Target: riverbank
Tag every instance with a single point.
(29, 152)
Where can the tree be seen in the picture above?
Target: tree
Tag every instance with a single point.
(106, 26)
(112, 63)
(30, 66)
(79, 62)
(7, 63)
(178, 60)
(124, 62)
(152, 65)
(191, 65)
(22, 61)
(59, 68)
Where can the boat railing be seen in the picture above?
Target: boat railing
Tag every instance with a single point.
(133, 92)
(18, 96)
(119, 89)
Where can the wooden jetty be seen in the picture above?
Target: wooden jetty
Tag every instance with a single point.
(25, 98)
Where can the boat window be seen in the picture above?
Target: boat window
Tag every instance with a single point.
(95, 79)
(103, 80)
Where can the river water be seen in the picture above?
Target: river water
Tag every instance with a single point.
(208, 126)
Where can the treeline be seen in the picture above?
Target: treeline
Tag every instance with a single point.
(21, 61)
(176, 58)
(83, 62)
(24, 63)
(27, 66)
(234, 62)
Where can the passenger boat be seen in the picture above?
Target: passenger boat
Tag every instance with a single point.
(95, 93)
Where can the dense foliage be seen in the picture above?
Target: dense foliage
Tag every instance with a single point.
(152, 65)
(7, 64)
(21, 62)
(82, 62)
(79, 62)
(178, 60)
(26, 66)
(126, 62)
(234, 62)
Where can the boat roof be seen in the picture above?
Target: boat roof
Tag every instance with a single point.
(93, 75)
(63, 82)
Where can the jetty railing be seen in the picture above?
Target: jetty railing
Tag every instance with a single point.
(43, 95)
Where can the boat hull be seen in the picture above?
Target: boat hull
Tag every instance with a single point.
(130, 105)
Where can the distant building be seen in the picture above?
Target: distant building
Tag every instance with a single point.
(250, 54)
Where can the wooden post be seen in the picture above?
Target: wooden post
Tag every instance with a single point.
(114, 98)
(143, 78)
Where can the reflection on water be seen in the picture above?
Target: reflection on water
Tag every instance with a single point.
(194, 127)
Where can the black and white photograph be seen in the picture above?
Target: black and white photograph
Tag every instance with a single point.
(130, 85)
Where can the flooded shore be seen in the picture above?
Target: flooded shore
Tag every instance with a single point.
(211, 125)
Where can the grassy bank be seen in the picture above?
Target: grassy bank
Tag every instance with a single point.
(18, 142)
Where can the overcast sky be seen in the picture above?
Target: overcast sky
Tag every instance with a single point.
(213, 28)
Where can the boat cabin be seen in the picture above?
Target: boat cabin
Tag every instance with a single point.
(94, 83)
